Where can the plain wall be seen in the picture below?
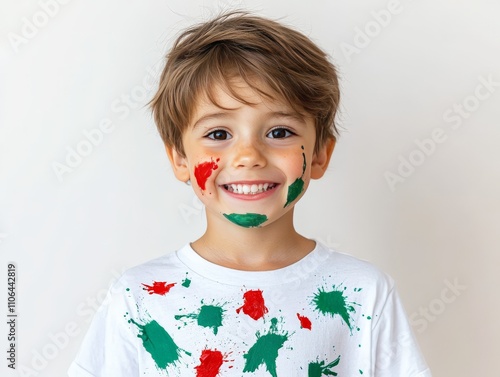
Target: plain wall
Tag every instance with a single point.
(413, 185)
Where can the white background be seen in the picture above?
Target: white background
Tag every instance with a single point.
(436, 226)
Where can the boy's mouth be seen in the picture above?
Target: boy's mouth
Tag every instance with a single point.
(249, 189)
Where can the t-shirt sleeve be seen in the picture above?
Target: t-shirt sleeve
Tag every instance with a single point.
(395, 350)
(108, 348)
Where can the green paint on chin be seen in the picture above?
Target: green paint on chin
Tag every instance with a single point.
(246, 220)
(158, 343)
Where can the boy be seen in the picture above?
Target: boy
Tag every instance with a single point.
(246, 110)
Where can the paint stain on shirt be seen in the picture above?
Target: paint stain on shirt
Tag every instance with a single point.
(305, 323)
(210, 363)
(159, 287)
(209, 316)
(319, 369)
(203, 171)
(265, 350)
(158, 343)
(246, 220)
(186, 282)
(253, 304)
(334, 303)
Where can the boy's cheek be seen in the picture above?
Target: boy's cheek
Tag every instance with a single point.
(203, 170)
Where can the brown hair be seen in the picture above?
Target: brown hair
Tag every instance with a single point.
(256, 49)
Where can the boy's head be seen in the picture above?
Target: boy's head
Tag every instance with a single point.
(276, 61)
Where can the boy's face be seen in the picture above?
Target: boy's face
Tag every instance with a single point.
(249, 164)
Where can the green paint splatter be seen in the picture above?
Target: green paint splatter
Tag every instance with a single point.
(208, 316)
(360, 371)
(186, 282)
(247, 220)
(334, 303)
(265, 350)
(158, 343)
(296, 188)
(318, 368)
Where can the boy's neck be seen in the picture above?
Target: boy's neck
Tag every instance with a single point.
(274, 246)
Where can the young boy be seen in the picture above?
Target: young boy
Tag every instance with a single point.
(246, 109)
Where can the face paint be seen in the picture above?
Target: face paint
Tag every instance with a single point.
(296, 188)
(203, 171)
(247, 220)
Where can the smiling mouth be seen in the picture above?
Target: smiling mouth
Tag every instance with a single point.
(244, 189)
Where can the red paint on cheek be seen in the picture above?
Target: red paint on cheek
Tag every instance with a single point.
(253, 304)
(305, 322)
(210, 363)
(203, 171)
(159, 287)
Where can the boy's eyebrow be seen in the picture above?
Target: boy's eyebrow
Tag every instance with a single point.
(209, 116)
(226, 114)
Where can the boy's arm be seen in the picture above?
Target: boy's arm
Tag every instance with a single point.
(395, 351)
(108, 348)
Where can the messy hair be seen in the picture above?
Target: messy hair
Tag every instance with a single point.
(257, 50)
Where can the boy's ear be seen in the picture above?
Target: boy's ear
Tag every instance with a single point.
(179, 164)
(322, 159)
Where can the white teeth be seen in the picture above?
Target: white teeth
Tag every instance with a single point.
(249, 189)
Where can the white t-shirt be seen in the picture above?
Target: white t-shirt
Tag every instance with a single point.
(328, 314)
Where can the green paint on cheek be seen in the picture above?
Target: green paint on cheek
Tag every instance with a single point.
(158, 343)
(296, 188)
(247, 220)
(265, 350)
(334, 303)
(318, 368)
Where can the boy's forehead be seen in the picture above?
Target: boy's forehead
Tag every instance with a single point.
(221, 98)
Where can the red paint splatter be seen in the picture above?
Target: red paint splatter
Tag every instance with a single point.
(253, 304)
(159, 287)
(203, 171)
(210, 363)
(305, 322)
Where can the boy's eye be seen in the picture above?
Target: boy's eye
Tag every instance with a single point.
(279, 133)
(219, 135)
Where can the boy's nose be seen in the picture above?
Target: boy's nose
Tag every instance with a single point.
(249, 154)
